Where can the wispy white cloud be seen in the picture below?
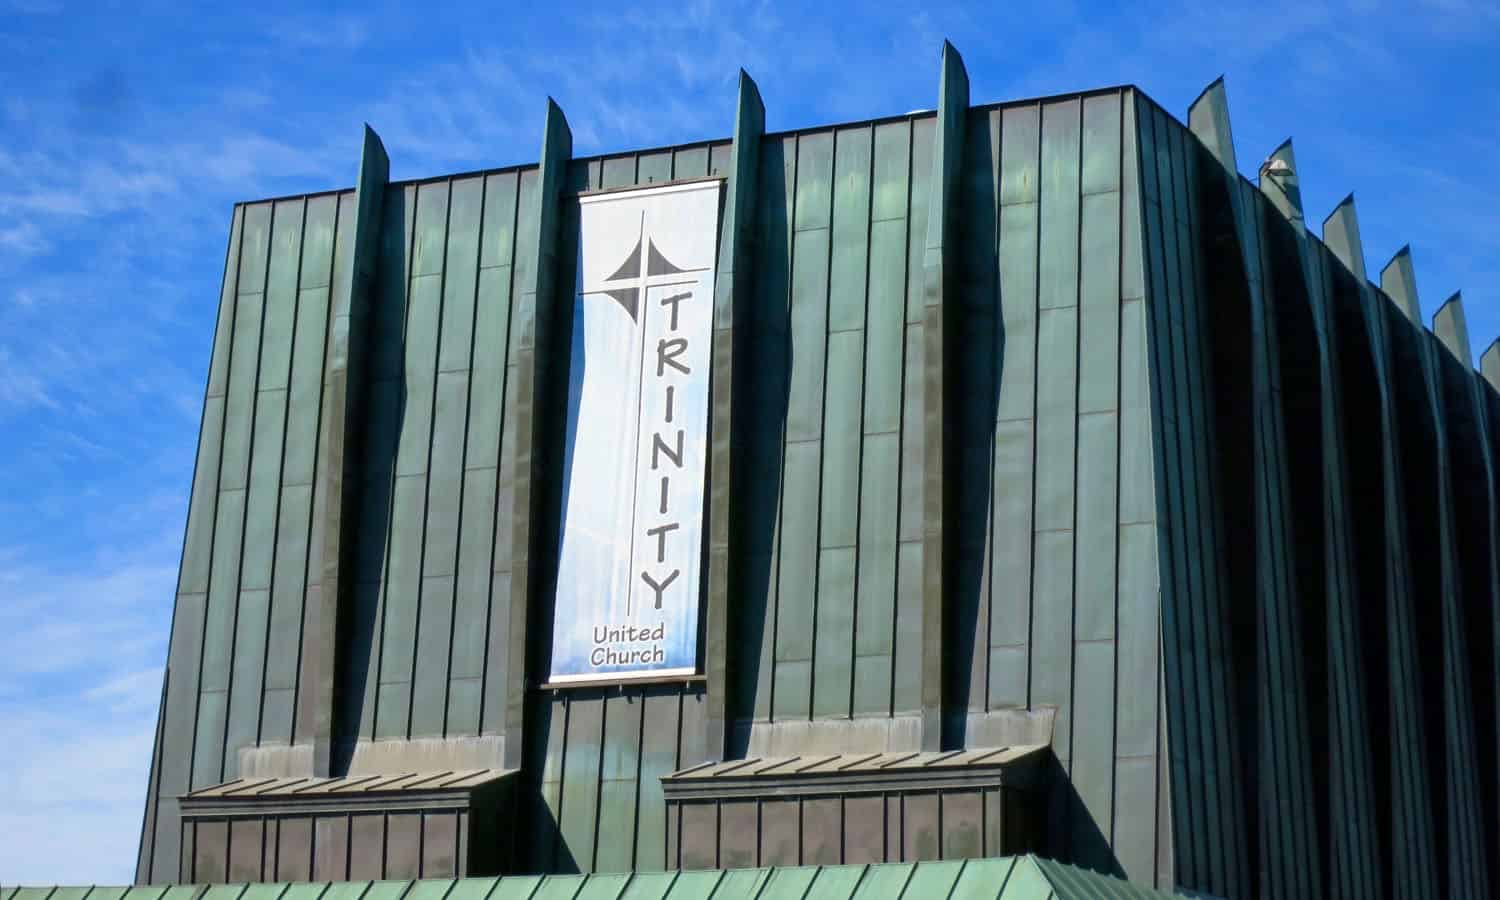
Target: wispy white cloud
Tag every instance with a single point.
(20, 388)
(22, 239)
(129, 692)
(82, 642)
(74, 783)
(311, 32)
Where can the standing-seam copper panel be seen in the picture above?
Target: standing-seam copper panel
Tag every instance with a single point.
(1385, 642)
(1470, 479)
(1056, 571)
(1412, 774)
(834, 465)
(1285, 812)
(233, 675)
(1353, 847)
(1428, 474)
(1206, 834)
(429, 657)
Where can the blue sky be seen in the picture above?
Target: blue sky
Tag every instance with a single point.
(127, 132)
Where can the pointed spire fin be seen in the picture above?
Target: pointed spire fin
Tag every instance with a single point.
(1452, 328)
(1208, 119)
(1489, 364)
(1341, 234)
(1399, 280)
(1279, 182)
(939, 316)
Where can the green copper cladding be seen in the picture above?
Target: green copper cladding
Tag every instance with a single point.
(939, 394)
(1488, 402)
(1471, 605)
(1291, 857)
(1354, 852)
(536, 372)
(252, 551)
(1004, 878)
(1312, 406)
(340, 479)
(1414, 860)
(1032, 423)
(1469, 409)
(733, 284)
(1205, 728)
(1404, 789)
(1426, 461)
(172, 757)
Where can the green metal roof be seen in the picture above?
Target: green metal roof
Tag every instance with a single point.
(1011, 878)
(309, 786)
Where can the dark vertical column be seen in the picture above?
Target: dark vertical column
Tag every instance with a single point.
(1200, 211)
(1351, 818)
(979, 351)
(1290, 862)
(1208, 724)
(340, 449)
(939, 397)
(1422, 485)
(733, 284)
(1332, 691)
(1183, 717)
(385, 497)
(532, 326)
(1470, 482)
(1489, 407)
(1354, 817)
(1409, 817)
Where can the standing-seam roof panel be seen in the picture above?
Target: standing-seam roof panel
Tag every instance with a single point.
(1001, 878)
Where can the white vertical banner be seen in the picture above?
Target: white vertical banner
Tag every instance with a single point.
(636, 453)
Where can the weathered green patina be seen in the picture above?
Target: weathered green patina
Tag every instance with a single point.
(1011, 878)
(1033, 423)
